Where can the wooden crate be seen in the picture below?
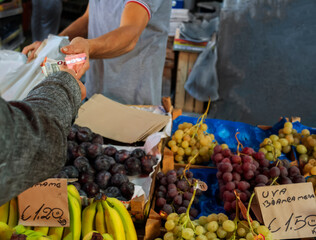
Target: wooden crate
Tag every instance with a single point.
(184, 100)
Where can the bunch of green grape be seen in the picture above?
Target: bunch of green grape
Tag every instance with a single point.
(190, 140)
(307, 147)
(214, 227)
(275, 144)
(304, 142)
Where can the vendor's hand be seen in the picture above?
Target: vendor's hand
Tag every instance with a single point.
(73, 73)
(76, 46)
(31, 49)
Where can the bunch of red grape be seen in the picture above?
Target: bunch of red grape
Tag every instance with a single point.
(248, 170)
(174, 192)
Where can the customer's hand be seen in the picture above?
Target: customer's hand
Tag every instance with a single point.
(73, 73)
(76, 46)
(31, 49)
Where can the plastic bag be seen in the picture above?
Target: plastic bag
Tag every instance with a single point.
(202, 82)
(199, 30)
(17, 77)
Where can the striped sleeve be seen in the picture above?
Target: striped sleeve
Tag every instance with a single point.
(143, 4)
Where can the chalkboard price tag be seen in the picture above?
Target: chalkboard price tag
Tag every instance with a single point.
(289, 211)
(45, 204)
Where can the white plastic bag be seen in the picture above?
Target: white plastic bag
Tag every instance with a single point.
(18, 78)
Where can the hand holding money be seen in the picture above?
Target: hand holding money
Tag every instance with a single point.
(74, 62)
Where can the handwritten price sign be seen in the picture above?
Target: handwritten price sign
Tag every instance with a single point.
(45, 204)
(289, 211)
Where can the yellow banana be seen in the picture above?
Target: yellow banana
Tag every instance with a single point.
(13, 213)
(88, 215)
(66, 233)
(4, 212)
(99, 219)
(5, 231)
(107, 236)
(128, 224)
(113, 222)
(75, 219)
(74, 192)
(43, 230)
(56, 233)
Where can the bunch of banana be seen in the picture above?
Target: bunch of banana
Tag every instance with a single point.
(73, 232)
(9, 213)
(108, 217)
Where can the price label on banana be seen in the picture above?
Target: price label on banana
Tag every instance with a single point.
(45, 204)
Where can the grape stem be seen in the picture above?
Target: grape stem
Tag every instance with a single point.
(248, 211)
(187, 167)
(239, 143)
(274, 180)
(200, 120)
(236, 220)
(187, 213)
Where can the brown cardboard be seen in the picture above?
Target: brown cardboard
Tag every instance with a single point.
(152, 229)
(293, 214)
(256, 209)
(117, 121)
(45, 204)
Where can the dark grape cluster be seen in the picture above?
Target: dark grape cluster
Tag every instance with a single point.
(174, 192)
(99, 169)
(102, 169)
(248, 170)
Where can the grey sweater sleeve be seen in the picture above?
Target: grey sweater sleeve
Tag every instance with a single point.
(33, 133)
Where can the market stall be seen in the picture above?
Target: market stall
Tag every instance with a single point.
(153, 173)
(204, 179)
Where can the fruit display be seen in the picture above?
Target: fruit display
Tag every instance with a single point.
(9, 220)
(108, 217)
(101, 169)
(304, 143)
(191, 140)
(244, 171)
(105, 218)
(174, 192)
(213, 226)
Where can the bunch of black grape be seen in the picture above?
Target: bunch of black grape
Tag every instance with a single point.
(248, 170)
(174, 192)
(102, 169)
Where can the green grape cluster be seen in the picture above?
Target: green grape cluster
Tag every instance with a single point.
(275, 144)
(212, 227)
(190, 140)
(304, 142)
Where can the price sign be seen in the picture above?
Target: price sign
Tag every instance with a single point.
(45, 204)
(289, 211)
